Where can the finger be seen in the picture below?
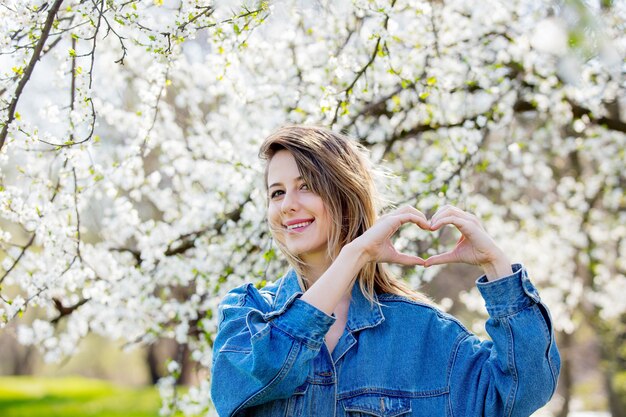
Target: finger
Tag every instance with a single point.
(442, 258)
(445, 211)
(411, 209)
(406, 209)
(407, 260)
(465, 226)
(413, 218)
(448, 210)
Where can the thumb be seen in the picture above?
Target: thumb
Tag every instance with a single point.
(407, 260)
(442, 258)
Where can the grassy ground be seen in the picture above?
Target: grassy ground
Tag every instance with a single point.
(74, 397)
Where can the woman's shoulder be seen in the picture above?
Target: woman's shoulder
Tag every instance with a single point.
(253, 295)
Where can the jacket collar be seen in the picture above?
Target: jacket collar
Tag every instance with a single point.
(361, 315)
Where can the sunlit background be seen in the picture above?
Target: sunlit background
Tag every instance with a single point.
(130, 189)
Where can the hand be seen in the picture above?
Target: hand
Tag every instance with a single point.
(475, 246)
(376, 243)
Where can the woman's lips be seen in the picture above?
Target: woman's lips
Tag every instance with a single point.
(299, 227)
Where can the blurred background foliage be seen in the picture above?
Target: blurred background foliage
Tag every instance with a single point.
(161, 104)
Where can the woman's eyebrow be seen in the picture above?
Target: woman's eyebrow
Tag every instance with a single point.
(280, 183)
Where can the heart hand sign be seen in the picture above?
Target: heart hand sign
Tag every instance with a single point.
(474, 247)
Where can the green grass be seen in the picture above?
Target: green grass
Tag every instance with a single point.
(74, 397)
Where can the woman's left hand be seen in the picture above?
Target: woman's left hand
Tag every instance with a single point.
(475, 246)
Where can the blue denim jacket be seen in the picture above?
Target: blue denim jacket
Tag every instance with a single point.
(398, 358)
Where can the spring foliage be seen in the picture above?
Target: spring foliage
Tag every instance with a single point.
(130, 189)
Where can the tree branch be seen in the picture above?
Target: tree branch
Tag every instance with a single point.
(17, 260)
(578, 112)
(612, 124)
(462, 164)
(362, 71)
(188, 240)
(29, 70)
(65, 311)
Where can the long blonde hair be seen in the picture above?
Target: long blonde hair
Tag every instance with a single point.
(337, 169)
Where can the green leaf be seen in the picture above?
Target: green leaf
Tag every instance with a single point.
(482, 167)
(344, 108)
(269, 255)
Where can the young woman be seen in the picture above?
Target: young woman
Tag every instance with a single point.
(315, 344)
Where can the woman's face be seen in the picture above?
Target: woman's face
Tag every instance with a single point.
(298, 216)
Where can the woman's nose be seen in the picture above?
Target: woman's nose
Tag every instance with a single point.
(290, 202)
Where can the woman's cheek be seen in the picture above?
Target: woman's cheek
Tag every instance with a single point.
(277, 232)
(273, 217)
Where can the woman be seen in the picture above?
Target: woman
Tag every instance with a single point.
(315, 344)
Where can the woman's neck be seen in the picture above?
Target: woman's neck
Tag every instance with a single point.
(315, 266)
(313, 272)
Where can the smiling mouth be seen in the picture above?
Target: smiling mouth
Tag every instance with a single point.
(299, 226)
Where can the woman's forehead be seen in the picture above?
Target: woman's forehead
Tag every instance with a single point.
(282, 167)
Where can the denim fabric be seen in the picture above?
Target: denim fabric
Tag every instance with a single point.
(395, 358)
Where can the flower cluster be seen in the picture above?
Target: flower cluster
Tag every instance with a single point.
(131, 195)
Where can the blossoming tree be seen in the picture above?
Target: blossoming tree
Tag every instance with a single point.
(130, 193)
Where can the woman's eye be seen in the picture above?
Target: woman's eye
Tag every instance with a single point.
(276, 193)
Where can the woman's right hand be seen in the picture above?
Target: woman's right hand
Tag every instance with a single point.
(376, 243)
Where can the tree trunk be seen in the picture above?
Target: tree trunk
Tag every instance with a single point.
(187, 374)
(616, 404)
(565, 379)
(153, 363)
(23, 362)
(612, 365)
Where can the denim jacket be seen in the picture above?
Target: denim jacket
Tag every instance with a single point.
(395, 358)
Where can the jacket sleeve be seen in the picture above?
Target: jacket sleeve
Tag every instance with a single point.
(516, 372)
(261, 355)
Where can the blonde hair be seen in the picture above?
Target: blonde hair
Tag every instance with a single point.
(337, 169)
